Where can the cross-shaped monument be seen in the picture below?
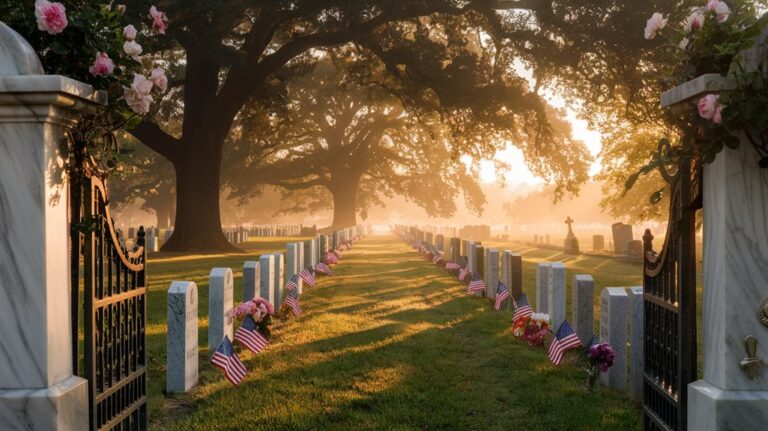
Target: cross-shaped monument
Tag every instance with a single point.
(571, 242)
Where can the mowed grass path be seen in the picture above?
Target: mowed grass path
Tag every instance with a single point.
(392, 343)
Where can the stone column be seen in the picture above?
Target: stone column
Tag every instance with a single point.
(613, 329)
(636, 348)
(556, 294)
(583, 305)
(542, 288)
(37, 387)
(267, 278)
(251, 280)
(220, 302)
(182, 355)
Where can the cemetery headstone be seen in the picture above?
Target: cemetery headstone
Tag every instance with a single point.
(220, 302)
(582, 304)
(251, 280)
(622, 235)
(267, 278)
(556, 294)
(181, 345)
(614, 305)
(571, 243)
(455, 249)
(598, 243)
(277, 286)
(492, 282)
(542, 287)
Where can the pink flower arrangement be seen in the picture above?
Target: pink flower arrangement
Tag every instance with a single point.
(710, 108)
(51, 17)
(532, 329)
(102, 65)
(258, 308)
(159, 20)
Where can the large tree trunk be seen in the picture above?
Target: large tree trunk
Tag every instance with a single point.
(198, 218)
(164, 214)
(344, 193)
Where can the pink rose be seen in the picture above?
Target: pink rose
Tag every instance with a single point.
(133, 49)
(710, 108)
(159, 20)
(720, 9)
(695, 20)
(129, 32)
(138, 96)
(51, 17)
(159, 79)
(654, 25)
(102, 65)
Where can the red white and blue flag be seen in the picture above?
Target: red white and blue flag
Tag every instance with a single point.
(292, 284)
(308, 275)
(225, 359)
(249, 336)
(292, 301)
(565, 339)
(322, 268)
(464, 273)
(476, 285)
(438, 259)
(502, 293)
(452, 266)
(522, 308)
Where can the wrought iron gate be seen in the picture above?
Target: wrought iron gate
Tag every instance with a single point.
(669, 291)
(114, 313)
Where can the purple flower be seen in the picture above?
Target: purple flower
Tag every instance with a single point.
(601, 355)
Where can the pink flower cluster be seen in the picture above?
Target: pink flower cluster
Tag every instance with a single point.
(718, 8)
(51, 17)
(258, 308)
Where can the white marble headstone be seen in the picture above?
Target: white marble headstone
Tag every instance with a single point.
(636, 340)
(251, 280)
(267, 289)
(182, 352)
(614, 306)
(542, 287)
(220, 302)
(556, 294)
(583, 305)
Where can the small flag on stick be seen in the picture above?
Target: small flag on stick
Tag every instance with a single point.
(292, 301)
(476, 285)
(564, 340)
(322, 268)
(249, 336)
(522, 308)
(292, 284)
(502, 293)
(464, 273)
(225, 359)
(307, 274)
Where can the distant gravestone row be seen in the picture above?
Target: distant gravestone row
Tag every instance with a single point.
(621, 310)
(264, 279)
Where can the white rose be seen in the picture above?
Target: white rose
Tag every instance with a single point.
(133, 49)
(695, 20)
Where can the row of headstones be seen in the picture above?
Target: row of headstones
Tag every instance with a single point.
(621, 311)
(237, 235)
(274, 230)
(152, 238)
(264, 278)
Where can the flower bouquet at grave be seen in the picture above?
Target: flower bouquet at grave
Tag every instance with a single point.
(599, 357)
(532, 329)
(260, 310)
(331, 259)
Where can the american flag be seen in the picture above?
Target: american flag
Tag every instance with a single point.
(292, 284)
(308, 275)
(226, 360)
(293, 301)
(522, 308)
(452, 266)
(322, 268)
(564, 340)
(249, 336)
(438, 258)
(464, 273)
(502, 293)
(476, 285)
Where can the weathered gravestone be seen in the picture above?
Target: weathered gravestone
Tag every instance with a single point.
(614, 306)
(309, 253)
(440, 242)
(598, 242)
(181, 341)
(267, 278)
(556, 294)
(455, 251)
(622, 235)
(636, 348)
(571, 243)
(542, 287)
(251, 280)
(220, 303)
(583, 305)
(514, 277)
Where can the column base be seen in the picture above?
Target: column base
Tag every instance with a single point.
(62, 407)
(713, 409)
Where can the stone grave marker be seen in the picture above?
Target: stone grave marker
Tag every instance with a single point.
(636, 347)
(582, 304)
(267, 278)
(598, 242)
(220, 302)
(556, 294)
(251, 280)
(542, 288)
(277, 286)
(622, 235)
(181, 345)
(492, 282)
(614, 304)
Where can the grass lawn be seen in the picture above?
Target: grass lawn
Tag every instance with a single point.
(389, 342)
